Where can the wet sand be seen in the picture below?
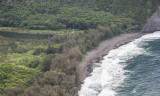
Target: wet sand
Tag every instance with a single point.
(103, 48)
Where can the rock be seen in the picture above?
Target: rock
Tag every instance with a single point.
(153, 24)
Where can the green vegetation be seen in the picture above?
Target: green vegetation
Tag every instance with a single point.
(53, 14)
(12, 75)
(20, 30)
(49, 67)
(53, 62)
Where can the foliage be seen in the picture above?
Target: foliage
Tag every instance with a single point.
(33, 14)
(50, 67)
(12, 75)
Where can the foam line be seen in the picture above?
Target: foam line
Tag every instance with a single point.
(106, 78)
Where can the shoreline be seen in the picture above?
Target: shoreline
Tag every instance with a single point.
(101, 50)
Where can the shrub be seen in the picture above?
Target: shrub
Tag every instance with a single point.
(38, 50)
(46, 63)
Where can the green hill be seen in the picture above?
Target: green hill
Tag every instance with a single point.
(73, 14)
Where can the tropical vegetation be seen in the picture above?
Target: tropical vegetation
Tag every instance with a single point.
(49, 66)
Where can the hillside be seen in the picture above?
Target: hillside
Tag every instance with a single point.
(71, 14)
(42, 42)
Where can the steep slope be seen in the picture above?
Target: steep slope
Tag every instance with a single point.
(153, 24)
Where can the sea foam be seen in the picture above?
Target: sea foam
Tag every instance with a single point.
(109, 75)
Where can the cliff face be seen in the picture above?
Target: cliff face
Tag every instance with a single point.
(153, 24)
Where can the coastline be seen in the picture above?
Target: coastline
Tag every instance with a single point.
(102, 49)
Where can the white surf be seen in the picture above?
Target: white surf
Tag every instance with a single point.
(109, 75)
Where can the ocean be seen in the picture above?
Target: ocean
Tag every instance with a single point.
(132, 69)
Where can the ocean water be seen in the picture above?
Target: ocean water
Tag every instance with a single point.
(130, 70)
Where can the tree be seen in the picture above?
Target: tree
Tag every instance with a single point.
(46, 63)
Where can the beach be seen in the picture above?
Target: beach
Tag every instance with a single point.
(101, 50)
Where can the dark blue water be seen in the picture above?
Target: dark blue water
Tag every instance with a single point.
(143, 72)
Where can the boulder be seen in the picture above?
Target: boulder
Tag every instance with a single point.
(153, 24)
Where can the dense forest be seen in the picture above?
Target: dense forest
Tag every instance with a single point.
(71, 14)
(50, 67)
